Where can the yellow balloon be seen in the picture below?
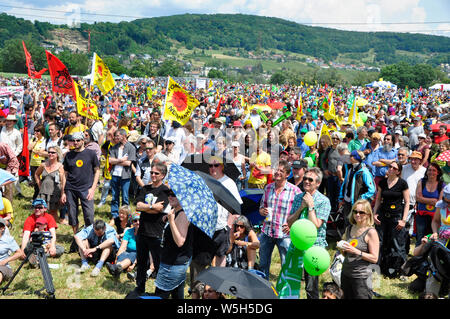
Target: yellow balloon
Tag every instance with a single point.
(310, 138)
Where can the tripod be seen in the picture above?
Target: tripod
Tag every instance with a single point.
(37, 248)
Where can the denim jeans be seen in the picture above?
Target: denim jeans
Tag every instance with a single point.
(423, 227)
(105, 190)
(119, 185)
(267, 244)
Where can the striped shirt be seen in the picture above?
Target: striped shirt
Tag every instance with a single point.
(281, 206)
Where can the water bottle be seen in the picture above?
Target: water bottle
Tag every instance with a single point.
(268, 218)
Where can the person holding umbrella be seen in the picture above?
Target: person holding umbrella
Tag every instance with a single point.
(176, 251)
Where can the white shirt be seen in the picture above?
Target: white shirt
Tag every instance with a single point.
(222, 216)
(413, 178)
(13, 138)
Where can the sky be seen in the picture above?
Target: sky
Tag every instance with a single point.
(415, 16)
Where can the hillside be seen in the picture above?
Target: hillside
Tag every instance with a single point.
(155, 36)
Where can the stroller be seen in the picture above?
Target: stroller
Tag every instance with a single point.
(335, 226)
(432, 269)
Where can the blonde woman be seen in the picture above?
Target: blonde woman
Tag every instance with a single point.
(50, 179)
(360, 247)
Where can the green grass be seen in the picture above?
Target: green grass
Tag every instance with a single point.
(70, 285)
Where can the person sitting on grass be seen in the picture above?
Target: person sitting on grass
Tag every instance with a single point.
(126, 256)
(331, 290)
(7, 246)
(97, 243)
(47, 224)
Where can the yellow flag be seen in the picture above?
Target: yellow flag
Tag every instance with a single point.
(85, 105)
(300, 113)
(179, 103)
(102, 77)
(353, 117)
(331, 112)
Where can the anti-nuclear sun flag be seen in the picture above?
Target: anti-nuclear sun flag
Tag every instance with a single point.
(179, 103)
(101, 76)
(85, 105)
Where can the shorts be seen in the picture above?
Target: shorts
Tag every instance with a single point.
(6, 272)
(127, 255)
(222, 240)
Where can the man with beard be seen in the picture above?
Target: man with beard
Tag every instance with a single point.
(75, 124)
(82, 170)
(383, 157)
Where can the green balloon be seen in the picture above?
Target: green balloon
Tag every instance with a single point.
(316, 260)
(303, 234)
(363, 117)
(310, 161)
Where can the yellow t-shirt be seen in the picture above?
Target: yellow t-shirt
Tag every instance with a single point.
(7, 209)
(35, 159)
(261, 160)
(73, 129)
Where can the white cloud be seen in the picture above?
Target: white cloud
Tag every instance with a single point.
(372, 14)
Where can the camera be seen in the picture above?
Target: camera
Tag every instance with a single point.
(38, 237)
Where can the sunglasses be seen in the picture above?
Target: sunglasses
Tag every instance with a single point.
(38, 207)
(214, 165)
(393, 167)
(359, 212)
(308, 179)
(155, 173)
(148, 148)
(51, 152)
(77, 140)
(239, 226)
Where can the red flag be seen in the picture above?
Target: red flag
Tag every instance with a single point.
(218, 108)
(61, 80)
(24, 157)
(30, 65)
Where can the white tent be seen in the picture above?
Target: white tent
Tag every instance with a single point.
(440, 86)
(125, 77)
(382, 85)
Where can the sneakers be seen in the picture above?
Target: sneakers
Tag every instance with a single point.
(95, 272)
(83, 268)
(131, 276)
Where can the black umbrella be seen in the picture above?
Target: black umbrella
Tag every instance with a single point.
(222, 195)
(200, 162)
(237, 282)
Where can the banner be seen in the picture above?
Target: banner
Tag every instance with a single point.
(85, 105)
(6, 91)
(179, 104)
(200, 84)
(24, 157)
(61, 80)
(101, 75)
(30, 65)
(299, 113)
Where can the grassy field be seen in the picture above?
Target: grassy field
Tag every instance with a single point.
(70, 285)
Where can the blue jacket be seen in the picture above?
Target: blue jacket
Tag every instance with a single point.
(366, 181)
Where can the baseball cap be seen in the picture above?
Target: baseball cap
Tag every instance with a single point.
(237, 124)
(39, 201)
(299, 164)
(399, 132)
(421, 135)
(235, 144)
(41, 220)
(416, 154)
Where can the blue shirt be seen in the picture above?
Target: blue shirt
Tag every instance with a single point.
(130, 237)
(89, 234)
(381, 154)
(7, 245)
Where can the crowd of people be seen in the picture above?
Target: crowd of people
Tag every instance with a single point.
(376, 182)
